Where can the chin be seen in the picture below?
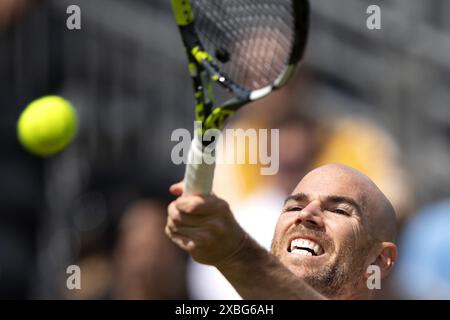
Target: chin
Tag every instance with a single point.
(300, 271)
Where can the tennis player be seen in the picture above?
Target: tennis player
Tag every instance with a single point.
(332, 228)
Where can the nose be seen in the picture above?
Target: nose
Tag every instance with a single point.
(311, 216)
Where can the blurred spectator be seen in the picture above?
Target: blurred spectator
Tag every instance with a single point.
(140, 264)
(96, 280)
(423, 269)
(11, 10)
(149, 265)
(362, 144)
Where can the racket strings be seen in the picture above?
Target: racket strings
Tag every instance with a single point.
(251, 40)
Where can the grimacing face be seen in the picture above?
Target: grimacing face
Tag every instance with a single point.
(323, 235)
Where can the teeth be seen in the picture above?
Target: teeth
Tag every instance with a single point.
(296, 244)
(301, 252)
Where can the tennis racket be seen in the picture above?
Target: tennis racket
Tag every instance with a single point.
(249, 48)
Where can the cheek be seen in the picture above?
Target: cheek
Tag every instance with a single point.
(360, 235)
(285, 221)
(278, 231)
(283, 224)
(344, 233)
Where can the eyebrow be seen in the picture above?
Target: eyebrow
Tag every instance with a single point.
(329, 198)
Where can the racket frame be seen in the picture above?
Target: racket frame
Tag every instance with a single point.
(204, 72)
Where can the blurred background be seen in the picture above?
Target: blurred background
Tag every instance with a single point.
(378, 100)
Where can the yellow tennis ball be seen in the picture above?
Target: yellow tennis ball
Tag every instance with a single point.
(47, 125)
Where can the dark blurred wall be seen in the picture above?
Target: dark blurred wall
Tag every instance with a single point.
(125, 74)
(29, 68)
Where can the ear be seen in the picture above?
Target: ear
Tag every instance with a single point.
(386, 258)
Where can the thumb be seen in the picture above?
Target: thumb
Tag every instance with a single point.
(177, 189)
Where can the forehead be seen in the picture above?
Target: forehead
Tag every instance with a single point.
(336, 183)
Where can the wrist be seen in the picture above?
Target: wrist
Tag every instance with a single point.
(236, 255)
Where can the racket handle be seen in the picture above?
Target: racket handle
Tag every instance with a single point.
(199, 176)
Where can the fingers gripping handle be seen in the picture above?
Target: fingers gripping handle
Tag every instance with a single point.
(199, 175)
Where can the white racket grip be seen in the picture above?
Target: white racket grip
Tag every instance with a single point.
(199, 176)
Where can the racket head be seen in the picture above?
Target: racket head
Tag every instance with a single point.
(254, 44)
(250, 47)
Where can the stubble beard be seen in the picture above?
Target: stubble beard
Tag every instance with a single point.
(338, 278)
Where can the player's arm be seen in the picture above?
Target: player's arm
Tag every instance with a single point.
(204, 226)
(257, 274)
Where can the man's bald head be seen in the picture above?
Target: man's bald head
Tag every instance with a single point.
(334, 225)
(378, 210)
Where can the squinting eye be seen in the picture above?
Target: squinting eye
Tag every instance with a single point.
(295, 208)
(341, 211)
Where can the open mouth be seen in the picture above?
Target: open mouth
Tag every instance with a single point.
(305, 247)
